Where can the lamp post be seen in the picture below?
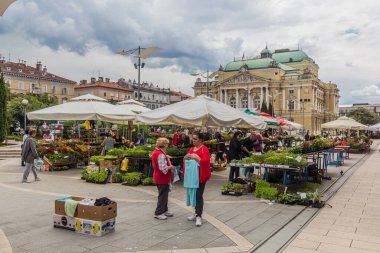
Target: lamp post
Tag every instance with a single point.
(139, 53)
(207, 79)
(25, 102)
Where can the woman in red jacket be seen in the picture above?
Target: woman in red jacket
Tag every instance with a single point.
(162, 174)
(201, 155)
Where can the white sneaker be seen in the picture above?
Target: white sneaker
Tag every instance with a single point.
(198, 222)
(160, 217)
(192, 217)
(169, 214)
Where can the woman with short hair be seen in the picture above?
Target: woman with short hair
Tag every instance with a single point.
(162, 174)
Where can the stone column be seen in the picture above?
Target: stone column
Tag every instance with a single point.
(261, 97)
(267, 96)
(248, 98)
(225, 96)
(237, 98)
(283, 101)
(299, 98)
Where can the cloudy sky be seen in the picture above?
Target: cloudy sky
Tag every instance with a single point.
(77, 39)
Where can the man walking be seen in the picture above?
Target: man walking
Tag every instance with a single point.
(29, 153)
(23, 142)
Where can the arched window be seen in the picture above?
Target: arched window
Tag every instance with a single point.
(291, 105)
(244, 102)
(256, 102)
(233, 102)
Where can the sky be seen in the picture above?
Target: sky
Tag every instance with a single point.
(77, 39)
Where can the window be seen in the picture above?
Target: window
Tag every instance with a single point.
(244, 102)
(256, 102)
(33, 88)
(291, 91)
(45, 89)
(129, 97)
(104, 94)
(21, 85)
(233, 102)
(53, 89)
(135, 94)
(291, 105)
(64, 91)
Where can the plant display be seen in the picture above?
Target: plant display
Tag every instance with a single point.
(117, 177)
(96, 177)
(233, 188)
(148, 181)
(58, 158)
(116, 152)
(84, 174)
(134, 152)
(132, 178)
(174, 151)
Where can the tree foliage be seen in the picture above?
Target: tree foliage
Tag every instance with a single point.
(36, 102)
(364, 116)
(270, 109)
(3, 108)
(264, 107)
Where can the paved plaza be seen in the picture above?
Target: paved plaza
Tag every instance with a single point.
(231, 224)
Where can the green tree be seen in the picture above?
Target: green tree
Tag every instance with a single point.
(264, 107)
(270, 109)
(3, 108)
(364, 116)
(36, 102)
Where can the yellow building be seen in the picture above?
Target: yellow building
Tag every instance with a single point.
(287, 79)
(26, 79)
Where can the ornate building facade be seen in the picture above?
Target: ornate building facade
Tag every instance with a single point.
(287, 79)
(22, 78)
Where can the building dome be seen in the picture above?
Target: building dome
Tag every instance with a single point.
(266, 53)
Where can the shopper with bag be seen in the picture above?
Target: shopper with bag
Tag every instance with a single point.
(29, 153)
(162, 176)
(201, 155)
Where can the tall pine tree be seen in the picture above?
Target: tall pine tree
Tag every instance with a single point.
(270, 109)
(264, 107)
(3, 108)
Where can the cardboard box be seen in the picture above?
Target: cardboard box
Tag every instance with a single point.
(63, 221)
(97, 213)
(60, 206)
(91, 227)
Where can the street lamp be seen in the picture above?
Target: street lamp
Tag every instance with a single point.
(139, 53)
(207, 79)
(25, 102)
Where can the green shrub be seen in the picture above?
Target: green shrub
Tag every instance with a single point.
(134, 152)
(133, 178)
(233, 187)
(14, 137)
(116, 152)
(84, 174)
(260, 186)
(270, 193)
(148, 181)
(98, 177)
(117, 178)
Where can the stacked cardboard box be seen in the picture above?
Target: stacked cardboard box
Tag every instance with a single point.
(88, 219)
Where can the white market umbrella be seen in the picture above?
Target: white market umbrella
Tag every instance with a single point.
(344, 123)
(4, 4)
(292, 126)
(133, 105)
(201, 111)
(86, 107)
(374, 128)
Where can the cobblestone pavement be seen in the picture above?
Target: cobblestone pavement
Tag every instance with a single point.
(231, 224)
